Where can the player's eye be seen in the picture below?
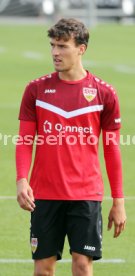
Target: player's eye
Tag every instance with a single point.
(61, 46)
(51, 44)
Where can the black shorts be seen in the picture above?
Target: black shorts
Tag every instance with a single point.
(52, 220)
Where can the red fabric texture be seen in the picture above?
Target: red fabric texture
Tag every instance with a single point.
(24, 148)
(112, 155)
(113, 161)
(66, 166)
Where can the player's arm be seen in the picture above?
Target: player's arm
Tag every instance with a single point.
(117, 215)
(24, 148)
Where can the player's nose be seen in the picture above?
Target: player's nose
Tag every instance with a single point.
(55, 51)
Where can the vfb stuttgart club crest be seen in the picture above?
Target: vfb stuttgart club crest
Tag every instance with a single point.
(34, 244)
(89, 93)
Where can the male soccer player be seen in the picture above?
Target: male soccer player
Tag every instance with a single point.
(67, 110)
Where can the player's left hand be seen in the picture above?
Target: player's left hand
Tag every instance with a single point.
(117, 216)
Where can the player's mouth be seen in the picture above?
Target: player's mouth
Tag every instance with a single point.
(57, 61)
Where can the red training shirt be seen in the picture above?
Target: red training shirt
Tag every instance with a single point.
(69, 118)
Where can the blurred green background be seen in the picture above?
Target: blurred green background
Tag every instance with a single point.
(25, 55)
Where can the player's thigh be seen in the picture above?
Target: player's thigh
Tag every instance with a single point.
(84, 228)
(47, 229)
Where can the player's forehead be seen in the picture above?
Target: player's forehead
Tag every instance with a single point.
(62, 41)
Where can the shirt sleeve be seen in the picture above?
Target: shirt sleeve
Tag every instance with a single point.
(28, 104)
(24, 149)
(110, 117)
(113, 162)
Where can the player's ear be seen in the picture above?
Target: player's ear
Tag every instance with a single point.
(82, 49)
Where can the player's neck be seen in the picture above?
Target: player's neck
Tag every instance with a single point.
(73, 74)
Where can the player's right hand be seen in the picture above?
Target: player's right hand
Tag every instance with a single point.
(25, 196)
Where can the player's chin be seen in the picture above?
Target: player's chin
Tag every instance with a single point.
(59, 69)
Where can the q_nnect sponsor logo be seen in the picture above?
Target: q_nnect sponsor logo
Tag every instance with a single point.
(57, 133)
(48, 127)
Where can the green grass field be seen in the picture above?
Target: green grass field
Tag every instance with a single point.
(25, 55)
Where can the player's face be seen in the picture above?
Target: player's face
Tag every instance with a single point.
(66, 55)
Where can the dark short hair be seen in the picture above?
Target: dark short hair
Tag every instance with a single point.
(67, 28)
